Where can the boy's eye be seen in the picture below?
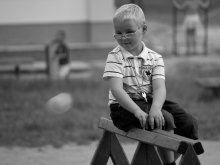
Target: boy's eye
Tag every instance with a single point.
(129, 32)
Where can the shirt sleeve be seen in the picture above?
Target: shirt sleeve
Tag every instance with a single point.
(113, 66)
(159, 69)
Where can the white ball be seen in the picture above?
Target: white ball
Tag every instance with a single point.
(60, 103)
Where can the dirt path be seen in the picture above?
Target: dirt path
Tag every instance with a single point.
(81, 155)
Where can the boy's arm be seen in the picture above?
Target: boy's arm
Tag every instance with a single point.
(159, 96)
(116, 86)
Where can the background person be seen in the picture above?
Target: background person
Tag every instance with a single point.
(192, 21)
(58, 57)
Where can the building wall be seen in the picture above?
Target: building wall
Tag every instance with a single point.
(25, 34)
(38, 11)
(27, 22)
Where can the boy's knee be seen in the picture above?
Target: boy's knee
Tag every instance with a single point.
(189, 128)
(169, 121)
(191, 122)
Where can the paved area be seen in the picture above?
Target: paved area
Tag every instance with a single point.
(73, 154)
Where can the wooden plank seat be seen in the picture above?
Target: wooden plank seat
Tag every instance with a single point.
(15, 61)
(146, 153)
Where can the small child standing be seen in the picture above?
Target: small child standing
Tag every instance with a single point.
(136, 78)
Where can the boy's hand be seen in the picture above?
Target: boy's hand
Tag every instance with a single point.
(156, 116)
(142, 117)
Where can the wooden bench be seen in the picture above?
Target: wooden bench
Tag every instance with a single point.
(13, 65)
(146, 153)
(210, 83)
(15, 61)
(19, 66)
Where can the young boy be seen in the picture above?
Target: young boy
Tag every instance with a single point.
(136, 78)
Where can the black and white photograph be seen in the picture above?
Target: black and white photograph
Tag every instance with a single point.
(109, 82)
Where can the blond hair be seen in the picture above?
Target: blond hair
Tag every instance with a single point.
(130, 11)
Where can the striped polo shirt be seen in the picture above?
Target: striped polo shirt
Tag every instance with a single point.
(137, 72)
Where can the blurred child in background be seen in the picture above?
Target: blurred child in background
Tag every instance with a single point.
(58, 57)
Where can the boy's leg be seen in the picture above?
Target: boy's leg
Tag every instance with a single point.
(186, 124)
(167, 156)
(125, 120)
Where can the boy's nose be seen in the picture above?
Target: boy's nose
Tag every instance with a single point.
(123, 36)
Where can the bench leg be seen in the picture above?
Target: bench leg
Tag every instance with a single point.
(146, 154)
(216, 92)
(17, 71)
(190, 157)
(109, 146)
(103, 151)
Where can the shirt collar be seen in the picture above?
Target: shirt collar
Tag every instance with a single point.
(143, 55)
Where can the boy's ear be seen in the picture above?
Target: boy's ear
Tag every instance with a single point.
(144, 28)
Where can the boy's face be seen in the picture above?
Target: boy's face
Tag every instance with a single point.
(129, 35)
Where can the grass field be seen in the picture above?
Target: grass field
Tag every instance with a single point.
(25, 122)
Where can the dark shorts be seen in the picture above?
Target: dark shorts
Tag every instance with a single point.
(175, 117)
(186, 124)
(125, 120)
